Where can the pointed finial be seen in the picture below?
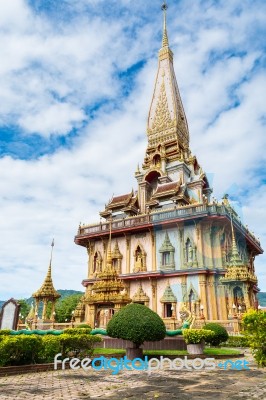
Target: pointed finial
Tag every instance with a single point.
(165, 42)
(52, 245)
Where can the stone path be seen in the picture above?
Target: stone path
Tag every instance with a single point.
(165, 384)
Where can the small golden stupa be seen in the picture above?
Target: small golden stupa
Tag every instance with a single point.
(108, 293)
(47, 292)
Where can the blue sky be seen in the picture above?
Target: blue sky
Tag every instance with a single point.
(76, 81)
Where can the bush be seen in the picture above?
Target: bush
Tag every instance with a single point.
(77, 331)
(136, 323)
(5, 332)
(50, 347)
(25, 349)
(255, 331)
(77, 345)
(220, 333)
(19, 350)
(195, 336)
(84, 326)
(236, 341)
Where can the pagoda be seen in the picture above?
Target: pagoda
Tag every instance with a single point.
(47, 293)
(173, 245)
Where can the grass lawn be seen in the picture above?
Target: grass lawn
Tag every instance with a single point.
(208, 351)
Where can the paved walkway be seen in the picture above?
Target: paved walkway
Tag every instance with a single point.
(165, 384)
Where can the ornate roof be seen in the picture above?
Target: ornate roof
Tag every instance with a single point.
(168, 188)
(47, 289)
(140, 295)
(167, 120)
(168, 296)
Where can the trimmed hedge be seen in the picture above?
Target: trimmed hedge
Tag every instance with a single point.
(25, 349)
(236, 341)
(19, 350)
(87, 326)
(220, 333)
(137, 323)
(4, 332)
(77, 331)
(195, 336)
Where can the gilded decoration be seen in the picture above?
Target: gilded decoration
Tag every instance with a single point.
(168, 296)
(140, 296)
(167, 250)
(47, 292)
(140, 259)
(162, 119)
(108, 288)
(117, 258)
(237, 270)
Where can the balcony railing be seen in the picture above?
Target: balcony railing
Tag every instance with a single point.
(164, 215)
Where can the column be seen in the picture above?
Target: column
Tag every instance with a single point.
(44, 309)
(203, 295)
(90, 249)
(153, 242)
(200, 246)
(91, 315)
(128, 243)
(184, 288)
(222, 310)
(154, 295)
(212, 297)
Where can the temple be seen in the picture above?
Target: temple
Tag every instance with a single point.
(168, 244)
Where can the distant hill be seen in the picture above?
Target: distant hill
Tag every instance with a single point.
(262, 299)
(64, 293)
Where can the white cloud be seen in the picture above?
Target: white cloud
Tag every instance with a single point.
(50, 74)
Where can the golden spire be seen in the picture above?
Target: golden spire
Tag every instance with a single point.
(47, 289)
(165, 42)
(167, 121)
(235, 257)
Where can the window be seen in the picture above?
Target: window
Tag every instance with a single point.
(166, 258)
(168, 312)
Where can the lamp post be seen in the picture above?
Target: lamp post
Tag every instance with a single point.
(239, 310)
(72, 318)
(234, 310)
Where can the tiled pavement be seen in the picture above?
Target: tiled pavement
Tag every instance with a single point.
(166, 384)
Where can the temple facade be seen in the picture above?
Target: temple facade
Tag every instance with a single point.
(168, 244)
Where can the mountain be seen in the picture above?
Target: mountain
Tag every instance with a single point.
(262, 299)
(64, 293)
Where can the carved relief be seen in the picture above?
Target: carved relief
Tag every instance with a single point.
(162, 119)
(140, 259)
(167, 251)
(117, 258)
(190, 254)
(97, 262)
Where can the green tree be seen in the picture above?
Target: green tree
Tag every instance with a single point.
(24, 307)
(255, 332)
(64, 308)
(138, 324)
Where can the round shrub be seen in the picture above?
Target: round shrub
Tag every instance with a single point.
(195, 336)
(137, 323)
(220, 333)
